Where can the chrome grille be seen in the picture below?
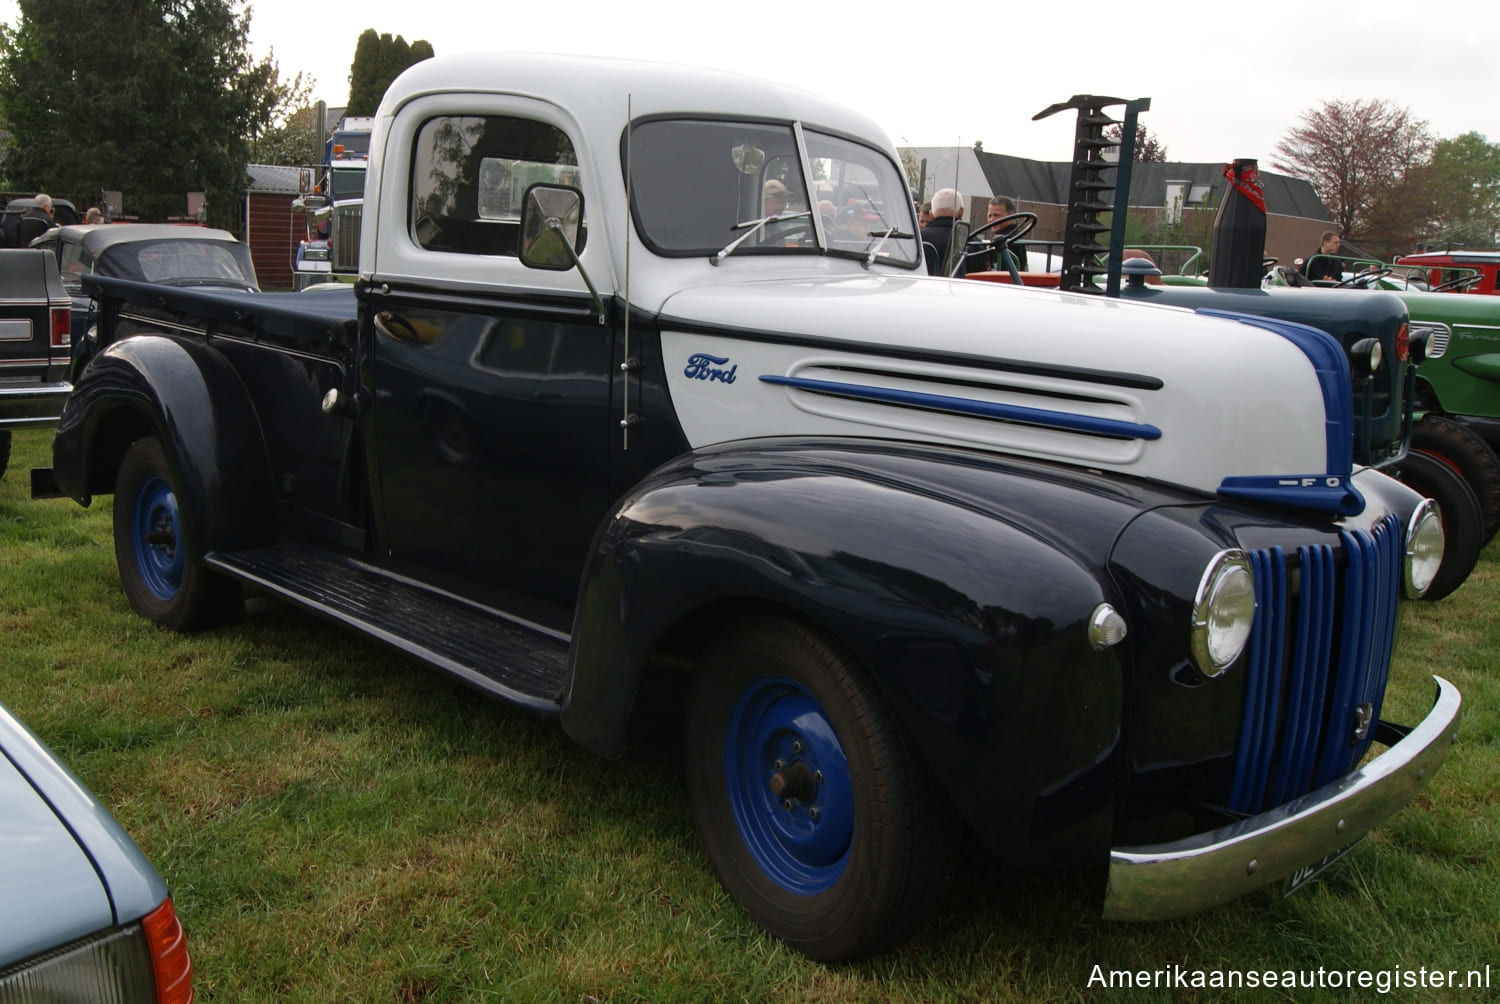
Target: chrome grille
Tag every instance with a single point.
(1318, 661)
(345, 237)
(1438, 336)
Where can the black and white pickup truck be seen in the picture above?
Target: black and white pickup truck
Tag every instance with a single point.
(34, 343)
(643, 412)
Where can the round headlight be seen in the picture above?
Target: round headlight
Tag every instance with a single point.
(1424, 548)
(1223, 612)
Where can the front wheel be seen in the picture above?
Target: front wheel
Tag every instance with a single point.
(4, 451)
(159, 566)
(816, 813)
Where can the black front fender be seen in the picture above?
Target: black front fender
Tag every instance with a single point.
(186, 394)
(963, 584)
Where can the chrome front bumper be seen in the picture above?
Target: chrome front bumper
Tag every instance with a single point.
(1171, 880)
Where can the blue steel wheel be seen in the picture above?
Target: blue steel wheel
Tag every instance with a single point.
(154, 551)
(788, 786)
(156, 538)
(816, 812)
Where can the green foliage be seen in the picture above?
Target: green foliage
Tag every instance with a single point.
(379, 59)
(1464, 181)
(155, 98)
(293, 142)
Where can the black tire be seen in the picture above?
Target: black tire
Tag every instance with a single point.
(1463, 523)
(4, 451)
(848, 846)
(1466, 452)
(154, 549)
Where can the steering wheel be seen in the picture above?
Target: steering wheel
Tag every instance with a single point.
(793, 232)
(1364, 278)
(1462, 282)
(1008, 228)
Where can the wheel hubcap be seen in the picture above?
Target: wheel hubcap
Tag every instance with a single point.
(788, 785)
(158, 539)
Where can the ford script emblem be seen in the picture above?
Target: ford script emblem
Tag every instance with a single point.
(702, 366)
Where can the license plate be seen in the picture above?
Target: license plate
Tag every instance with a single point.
(1297, 879)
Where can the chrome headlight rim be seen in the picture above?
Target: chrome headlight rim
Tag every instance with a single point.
(1425, 518)
(1224, 570)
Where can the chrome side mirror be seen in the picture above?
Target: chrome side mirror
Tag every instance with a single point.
(551, 218)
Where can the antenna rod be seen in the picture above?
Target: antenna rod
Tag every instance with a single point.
(627, 365)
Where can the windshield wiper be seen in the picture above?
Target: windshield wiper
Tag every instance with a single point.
(875, 251)
(755, 226)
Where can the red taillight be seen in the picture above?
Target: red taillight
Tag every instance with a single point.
(169, 955)
(1403, 343)
(62, 327)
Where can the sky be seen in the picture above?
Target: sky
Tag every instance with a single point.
(1225, 80)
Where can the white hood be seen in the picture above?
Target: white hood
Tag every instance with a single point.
(1155, 392)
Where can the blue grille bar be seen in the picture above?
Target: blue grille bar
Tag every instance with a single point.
(1311, 657)
(1304, 683)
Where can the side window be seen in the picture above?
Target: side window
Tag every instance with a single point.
(74, 264)
(469, 174)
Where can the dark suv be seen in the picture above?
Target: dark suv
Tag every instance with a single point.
(34, 343)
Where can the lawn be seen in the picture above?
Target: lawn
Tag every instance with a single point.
(340, 824)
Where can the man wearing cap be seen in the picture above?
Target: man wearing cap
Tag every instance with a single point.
(775, 198)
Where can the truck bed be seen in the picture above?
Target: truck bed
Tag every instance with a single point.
(295, 316)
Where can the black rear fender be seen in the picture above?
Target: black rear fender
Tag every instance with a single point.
(183, 392)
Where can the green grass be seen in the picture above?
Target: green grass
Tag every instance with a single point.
(339, 824)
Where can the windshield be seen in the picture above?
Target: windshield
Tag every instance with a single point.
(346, 182)
(701, 185)
(180, 263)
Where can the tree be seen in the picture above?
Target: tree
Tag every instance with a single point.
(154, 98)
(1148, 149)
(293, 141)
(1464, 182)
(379, 59)
(1357, 155)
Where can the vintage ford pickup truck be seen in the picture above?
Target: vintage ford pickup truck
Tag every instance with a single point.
(34, 343)
(616, 427)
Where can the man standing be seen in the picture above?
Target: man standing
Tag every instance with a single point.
(1325, 264)
(35, 221)
(947, 209)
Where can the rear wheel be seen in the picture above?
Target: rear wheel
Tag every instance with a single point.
(1463, 524)
(4, 451)
(157, 557)
(816, 813)
(1466, 452)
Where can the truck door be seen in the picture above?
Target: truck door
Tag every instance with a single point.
(491, 418)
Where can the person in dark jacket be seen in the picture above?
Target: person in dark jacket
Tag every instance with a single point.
(35, 221)
(1325, 264)
(947, 209)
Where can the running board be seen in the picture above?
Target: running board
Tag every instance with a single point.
(510, 660)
